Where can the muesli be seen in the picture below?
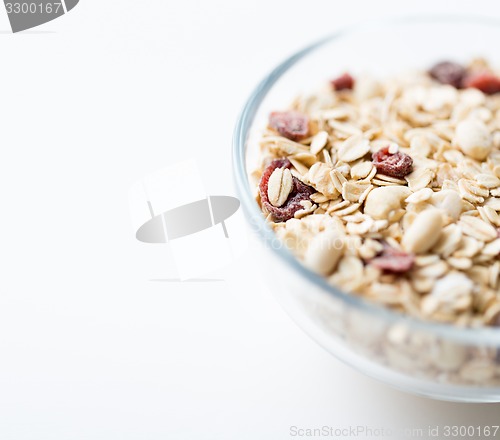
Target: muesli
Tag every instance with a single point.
(391, 188)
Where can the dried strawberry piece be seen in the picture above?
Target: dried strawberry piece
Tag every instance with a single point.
(292, 125)
(393, 165)
(393, 260)
(343, 82)
(484, 81)
(448, 72)
(300, 192)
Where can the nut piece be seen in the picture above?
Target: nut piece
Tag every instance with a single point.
(280, 186)
(448, 201)
(424, 232)
(420, 196)
(473, 138)
(451, 294)
(324, 252)
(381, 202)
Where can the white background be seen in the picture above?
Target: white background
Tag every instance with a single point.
(90, 348)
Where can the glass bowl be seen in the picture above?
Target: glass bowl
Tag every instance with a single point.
(431, 359)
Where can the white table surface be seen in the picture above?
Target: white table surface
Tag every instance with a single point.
(90, 348)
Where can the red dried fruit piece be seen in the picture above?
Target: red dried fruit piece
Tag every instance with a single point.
(393, 260)
(448, 72)
(484, 81)
(300, 191)
(343, 82)
(393, 165)
(292, 125)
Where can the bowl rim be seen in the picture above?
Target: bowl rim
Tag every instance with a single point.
(253, 214)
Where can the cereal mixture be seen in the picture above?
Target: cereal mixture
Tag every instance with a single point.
(391, 189)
